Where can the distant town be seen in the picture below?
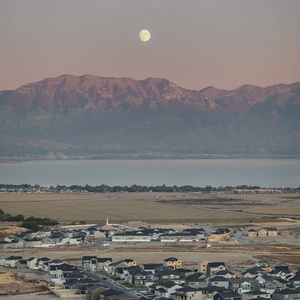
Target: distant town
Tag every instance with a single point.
(240, 189)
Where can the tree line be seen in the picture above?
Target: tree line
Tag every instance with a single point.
(103, 188)
(31, 223)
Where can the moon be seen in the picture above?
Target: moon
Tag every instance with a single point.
(145, 35)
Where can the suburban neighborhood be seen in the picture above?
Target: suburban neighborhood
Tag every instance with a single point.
(104, 278)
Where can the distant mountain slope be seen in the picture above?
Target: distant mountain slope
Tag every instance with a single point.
(91, 114)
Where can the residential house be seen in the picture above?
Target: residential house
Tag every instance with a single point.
(215, 267)
(268, 286)
(108, 294)
(12, 261)
(185, 272)
(226, 274)
(120, 265)
(89, 263)
(187, 293)
(75, 241)
(173, 262)
(139, 277)
(31, 263)
(151, 267)
(82, 285)
(166, 289)
(252, 233)
(60, 271)
(173, 275)
(256, 295)
(48, 241)
(162, 268)
(72, 278)
(254, 272)
(197, 281)
(262, 232)
(209, 291)
(287, 294)
(127, 273)
(243, 285)
(103, 263)
(129, 262)
(5, 245)
(180, 237)
(93, 292)
(295, 281)
(133, 236)
(283, 272)
(227, 295)
(42, 263)
(21, 264)
(29, 243)
(219, 234)
(219, 281)
(272, 231)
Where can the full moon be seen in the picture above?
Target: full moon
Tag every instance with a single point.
(145, 35)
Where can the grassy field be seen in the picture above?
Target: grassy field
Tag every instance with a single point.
(147, 207)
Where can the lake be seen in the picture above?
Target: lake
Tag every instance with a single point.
(196, 172)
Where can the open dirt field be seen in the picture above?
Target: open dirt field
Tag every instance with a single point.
(11, 284)
(152, 207)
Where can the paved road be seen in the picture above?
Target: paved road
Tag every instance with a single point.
(110, 284)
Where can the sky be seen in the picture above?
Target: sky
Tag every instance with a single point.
(194, 43)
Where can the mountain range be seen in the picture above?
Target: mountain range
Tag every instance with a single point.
(90, 115)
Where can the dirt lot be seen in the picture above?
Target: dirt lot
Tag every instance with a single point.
(11, 284)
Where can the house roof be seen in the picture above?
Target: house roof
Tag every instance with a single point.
(224, 272)
(242, 280)
(287, 292)
(169, 284)
(151, 266)
(229, 294)
(94, 287)
(187, 289)
(169, 272)
(173, 259)
(196, 276)
(89, 257)
(43, 259)
(102, 260)
(215, 264)
(31, 258)
(218, 278)
(14, 258)
(254, 270)
(65, 267)
(256, 293)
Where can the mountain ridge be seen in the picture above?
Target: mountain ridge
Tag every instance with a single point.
(93, 114)
(104, 93)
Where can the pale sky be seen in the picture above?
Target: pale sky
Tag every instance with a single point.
(194, 43)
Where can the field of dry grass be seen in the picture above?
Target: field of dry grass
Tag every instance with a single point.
(151, 207)
(292, 210)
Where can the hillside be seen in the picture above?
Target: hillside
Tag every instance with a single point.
(93, 115)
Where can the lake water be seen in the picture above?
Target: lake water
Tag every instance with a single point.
(196, 172)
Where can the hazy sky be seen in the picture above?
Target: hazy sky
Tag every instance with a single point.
(193, 43)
